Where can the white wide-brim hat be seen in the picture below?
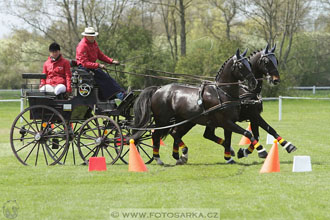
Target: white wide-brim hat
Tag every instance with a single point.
(89, 31)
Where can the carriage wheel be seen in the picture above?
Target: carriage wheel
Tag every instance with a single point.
(143, 145)
(100, 136)
(39, 134)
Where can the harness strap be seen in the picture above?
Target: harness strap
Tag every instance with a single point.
(216, 107)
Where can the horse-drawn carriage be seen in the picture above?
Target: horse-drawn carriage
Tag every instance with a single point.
(44, 132)
(101, 128)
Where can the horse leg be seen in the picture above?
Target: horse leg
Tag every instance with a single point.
(177, 135)
(209, 134)
(228, 148)
(262, 153)
(156, 145)
(285, 144)
(237, 129)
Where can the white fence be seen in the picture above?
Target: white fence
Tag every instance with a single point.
(314, 88)
(21, 100)
(280, 98)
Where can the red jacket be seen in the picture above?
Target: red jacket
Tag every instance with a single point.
(87, 53)
(58, 72)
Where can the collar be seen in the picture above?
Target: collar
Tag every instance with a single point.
(88, 42)
(57, 59)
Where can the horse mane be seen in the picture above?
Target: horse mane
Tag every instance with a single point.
(222, 67)
(254, 53)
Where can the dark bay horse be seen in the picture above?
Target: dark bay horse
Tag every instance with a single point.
(263, 63)
(175, 103)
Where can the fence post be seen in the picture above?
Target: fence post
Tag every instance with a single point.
(22, 104)
(314, 90)
(280, 108)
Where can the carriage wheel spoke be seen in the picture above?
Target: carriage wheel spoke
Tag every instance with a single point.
(25, 145)
(92, 150)
(87, 137)
(92, 130)
(30, 152)
(145, 152)
(147, 145)
(37, 155)
(25, 138)
(125, 153)
(102, 151)
(43, 149)
(29, 124)
(109, 153)
(28, 131)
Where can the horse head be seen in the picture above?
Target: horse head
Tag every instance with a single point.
(268, 65)
(241, 69)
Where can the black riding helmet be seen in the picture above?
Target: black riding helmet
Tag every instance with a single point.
(54, 47)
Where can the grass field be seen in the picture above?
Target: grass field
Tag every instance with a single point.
(238, 191)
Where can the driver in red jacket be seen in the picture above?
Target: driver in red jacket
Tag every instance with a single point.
(58, 73)
(87, 53)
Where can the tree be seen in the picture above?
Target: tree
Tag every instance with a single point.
(63, 20)
(228, 10)
(277, 20)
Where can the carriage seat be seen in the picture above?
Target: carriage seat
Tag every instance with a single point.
(33, 76)
(35, 93)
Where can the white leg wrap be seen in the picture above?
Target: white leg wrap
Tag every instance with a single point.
(230, 160)
(287, 145)
(244, 153)
(262, 150)
(159, 161)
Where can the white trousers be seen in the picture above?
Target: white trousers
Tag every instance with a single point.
(58, 89)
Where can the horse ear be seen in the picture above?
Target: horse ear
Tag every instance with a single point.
(244, 53)
(273, 49)
(266, 49)
(237, 54)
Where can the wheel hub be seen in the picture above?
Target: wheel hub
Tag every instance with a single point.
(98, 141)
(37, 137)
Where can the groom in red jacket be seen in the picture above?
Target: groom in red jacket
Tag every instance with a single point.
(58, 73)
(87, 53)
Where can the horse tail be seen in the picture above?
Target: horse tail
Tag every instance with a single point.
(142, 107)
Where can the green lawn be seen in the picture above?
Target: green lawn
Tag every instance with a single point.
(238, 191)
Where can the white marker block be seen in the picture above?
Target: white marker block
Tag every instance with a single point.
(302, 164)
(270, 139)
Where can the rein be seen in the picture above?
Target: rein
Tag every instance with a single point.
(205, 112)
(192, 77)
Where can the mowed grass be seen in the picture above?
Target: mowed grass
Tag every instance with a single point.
(238, 191)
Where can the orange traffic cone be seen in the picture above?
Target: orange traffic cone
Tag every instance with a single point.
(272, 162)
(161, 141)
(97, 164)
(245, 140)
(135, 162)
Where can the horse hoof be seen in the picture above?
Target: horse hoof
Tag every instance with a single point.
(291, 148)
(179, 162)
(159, 161)
(232, 152)
(241, 153)
(230, 161)
(184, 158)
(262, 154)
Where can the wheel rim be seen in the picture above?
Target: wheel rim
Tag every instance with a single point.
(39, 135)
(100, 136)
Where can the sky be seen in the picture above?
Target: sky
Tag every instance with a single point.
(6, 22)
